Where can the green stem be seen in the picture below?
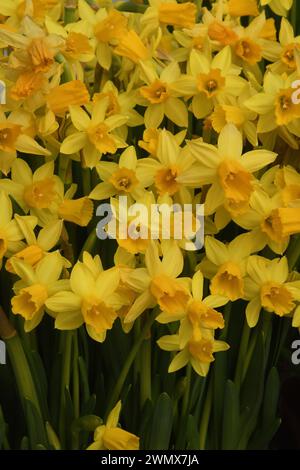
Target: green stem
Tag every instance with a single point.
(76, 397)
(145, 371)
(242, 354)
(65, 380)
(89, 243)
(70, 11)
(293, 16)
(22, 372)
(132, 7)
(186, 396)
(129, 361)
(293, 252)
(205, 417)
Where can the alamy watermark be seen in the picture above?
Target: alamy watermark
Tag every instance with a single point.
(2, 352)
(155, 221)
(2, 92)
(296, 94)
(295, 358)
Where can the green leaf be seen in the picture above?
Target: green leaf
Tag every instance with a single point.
(231, 417)
(35, 425)
(161, 424)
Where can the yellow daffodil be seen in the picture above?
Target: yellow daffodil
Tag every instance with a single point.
(95, 136)
(213, 80)
(199, 313)
(227, 170)
(10, 233)
(275, 107)
(108, 27)
(172, 163)
(157, 283)
(13, 139)
(91, 299)
(36, 246)
(198, 351)
(261, 220)
(118, 178)
(225, 265)
(36, 286)
(111, 437)
(267, 287)
(161, 97)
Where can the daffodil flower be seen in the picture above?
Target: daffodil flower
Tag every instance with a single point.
(36, 247)
(111, 437)
(261, 221)
(276, 109)
(199, 313)
(227, 170)
(158, 282)
(171, 164)
(225, 265)
(118, 178)
(13, 139)
(10, 233)
(267, 287)
(161, 97)
(214, 81)
(106, 26)
(91, 299)
(198, 351)
(94, 135)
(36, 286)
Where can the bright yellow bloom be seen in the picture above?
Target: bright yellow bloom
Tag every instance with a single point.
(198, 351)
(213, 80)
(280, 7)
(94, 136)
(157, 283)
(172, 163)
(118, 178)
(37, 286)
(131, 47)
(13, 139)
(91, 299)
(267, 287)
(225, 265)
(111, 437)
(262, 222)
(161, 95)
(227, 170)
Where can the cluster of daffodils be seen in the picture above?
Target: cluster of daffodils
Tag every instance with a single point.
(164, 103)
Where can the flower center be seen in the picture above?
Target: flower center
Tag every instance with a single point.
(124, 180)
(165, 180)
(201, 350)
(100, 137)
(9, 133)
(210, 83)
(41, 56)
(285, 109)
(169, 293)
(228, 281)
(157, 92)
(248, 51)
(29, 301)
(200, 315)
(40, 194)
(98, 315)
(111, 28)
(276, 298)
(235, 181)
